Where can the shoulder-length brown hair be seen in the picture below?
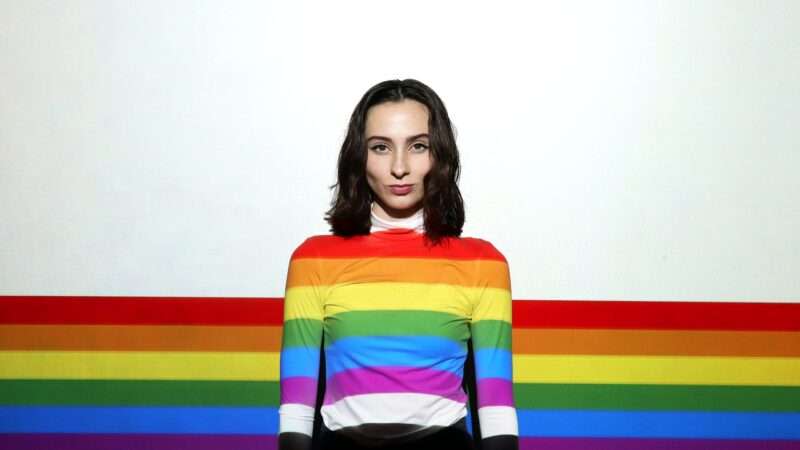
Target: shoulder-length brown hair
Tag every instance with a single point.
(443, 207)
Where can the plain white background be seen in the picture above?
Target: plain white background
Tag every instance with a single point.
(611, 150)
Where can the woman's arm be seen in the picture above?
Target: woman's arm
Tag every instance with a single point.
(300, 351)
(491, 340)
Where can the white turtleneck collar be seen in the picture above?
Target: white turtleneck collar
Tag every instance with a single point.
(416, 222)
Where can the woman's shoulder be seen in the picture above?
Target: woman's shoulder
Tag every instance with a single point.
(310, 246)
(482, 247)
(322, 245)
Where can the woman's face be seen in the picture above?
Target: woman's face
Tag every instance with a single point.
(398, 156)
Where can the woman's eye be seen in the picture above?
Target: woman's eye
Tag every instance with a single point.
(420, 147)
(378, 148)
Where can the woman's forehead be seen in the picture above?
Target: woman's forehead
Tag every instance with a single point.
(400, 119)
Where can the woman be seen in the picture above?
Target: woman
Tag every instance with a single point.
(395, 297)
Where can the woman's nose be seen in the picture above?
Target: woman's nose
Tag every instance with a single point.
(400, 164)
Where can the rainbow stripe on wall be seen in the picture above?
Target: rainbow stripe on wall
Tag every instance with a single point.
(100, 373)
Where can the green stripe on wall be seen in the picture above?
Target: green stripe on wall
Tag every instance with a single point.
(657, 397)
(527, 396)
(139, 392)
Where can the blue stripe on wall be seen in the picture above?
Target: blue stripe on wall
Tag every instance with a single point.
(91, 419)
(533, 423)
(659, 424)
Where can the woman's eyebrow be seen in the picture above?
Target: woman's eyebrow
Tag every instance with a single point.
(410, 138)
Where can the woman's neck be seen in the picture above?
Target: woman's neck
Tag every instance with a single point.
(415, 222)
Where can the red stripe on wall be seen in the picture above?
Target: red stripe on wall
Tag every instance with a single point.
(141, 310)
(527, 313)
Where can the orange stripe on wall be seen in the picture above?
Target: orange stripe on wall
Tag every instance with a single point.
(525, 341)
(655, 342)
(141, 337)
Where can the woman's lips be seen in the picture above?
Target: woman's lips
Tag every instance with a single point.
(401, 189)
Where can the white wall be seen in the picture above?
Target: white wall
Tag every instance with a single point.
(612, 150)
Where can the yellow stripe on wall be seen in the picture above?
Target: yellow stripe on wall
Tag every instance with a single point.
(260, 366)
(657, 370)
(527, 368)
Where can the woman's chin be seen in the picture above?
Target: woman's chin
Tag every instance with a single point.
(400, 209)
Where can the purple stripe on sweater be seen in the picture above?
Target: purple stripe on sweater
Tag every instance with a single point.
(299, 390)
(495, 392)
(380, 380)
(70, 441)
(654, 444)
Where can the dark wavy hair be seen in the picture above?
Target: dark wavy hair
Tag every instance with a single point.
(443, 207)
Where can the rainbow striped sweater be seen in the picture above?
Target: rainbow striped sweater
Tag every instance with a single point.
(393, 316)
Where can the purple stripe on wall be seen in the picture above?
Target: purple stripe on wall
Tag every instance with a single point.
(299, 390)
(654, 444)
(495, 392)
(394, 380)
(68, 441)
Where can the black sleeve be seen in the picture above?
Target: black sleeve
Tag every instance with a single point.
(502, 442)
(294, 441)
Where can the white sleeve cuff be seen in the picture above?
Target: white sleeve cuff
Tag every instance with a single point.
(296, 418)
(497, 420)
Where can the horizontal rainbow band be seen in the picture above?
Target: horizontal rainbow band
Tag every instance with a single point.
(116, 441)
(440, 384)
(543, 423)
(404, 270)
(526, 341)
(98, 441)
(141, 419)
(527, 395)
(402, 297)
(578, 314)
(654, 444)
(766, 371)
(588, 374)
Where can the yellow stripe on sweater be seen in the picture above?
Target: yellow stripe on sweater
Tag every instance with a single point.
(494, 303)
